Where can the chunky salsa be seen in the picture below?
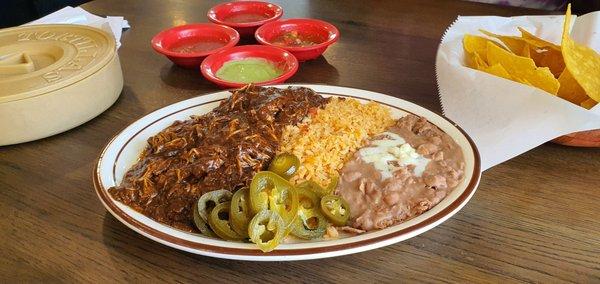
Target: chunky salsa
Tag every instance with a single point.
(295, 39)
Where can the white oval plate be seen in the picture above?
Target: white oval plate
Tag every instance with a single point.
(124, 149)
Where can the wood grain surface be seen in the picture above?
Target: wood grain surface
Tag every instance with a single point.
(534, 218)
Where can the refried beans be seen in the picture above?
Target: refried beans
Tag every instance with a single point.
(400, 174)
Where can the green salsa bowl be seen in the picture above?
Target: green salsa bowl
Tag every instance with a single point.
(257, 64)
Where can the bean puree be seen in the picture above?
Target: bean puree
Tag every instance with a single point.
(400, 174)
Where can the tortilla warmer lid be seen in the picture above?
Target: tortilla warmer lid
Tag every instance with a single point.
(39, 59)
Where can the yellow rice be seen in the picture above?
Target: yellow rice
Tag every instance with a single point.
(328, 139)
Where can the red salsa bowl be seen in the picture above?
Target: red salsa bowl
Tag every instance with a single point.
(188, 45)
(244, 16)
(281, 59)
(304, 38)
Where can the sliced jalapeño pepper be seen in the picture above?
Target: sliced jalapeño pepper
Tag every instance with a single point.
(336, 209)
(219, 222)
(314, 187)
(201, 224)
(285, 203)
(309, 224)
(239, 214)
(267, 230)
(332, 185)
(318, 189)
(285, 165)
(270, 191)
(210, 200)
(307, 199)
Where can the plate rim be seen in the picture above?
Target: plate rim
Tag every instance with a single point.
(287, 254)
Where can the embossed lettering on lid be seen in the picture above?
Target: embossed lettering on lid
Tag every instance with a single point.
(39, 59)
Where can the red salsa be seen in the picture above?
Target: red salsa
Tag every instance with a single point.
(293, 38)
(194, 45)
(244, 17)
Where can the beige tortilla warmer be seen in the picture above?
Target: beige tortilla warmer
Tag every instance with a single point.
(54, 78)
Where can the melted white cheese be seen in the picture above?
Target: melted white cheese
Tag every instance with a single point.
(381, 152)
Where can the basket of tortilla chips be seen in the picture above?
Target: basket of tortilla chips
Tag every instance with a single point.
(517, 82)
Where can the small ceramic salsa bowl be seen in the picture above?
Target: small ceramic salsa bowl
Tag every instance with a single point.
(244, 16)
(304, 38)
(281, 59)
(188, 45)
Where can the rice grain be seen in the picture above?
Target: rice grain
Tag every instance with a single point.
(325, 141)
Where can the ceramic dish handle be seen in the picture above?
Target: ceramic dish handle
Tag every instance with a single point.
(16, 64)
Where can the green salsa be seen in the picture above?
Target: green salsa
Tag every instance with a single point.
(248, 70)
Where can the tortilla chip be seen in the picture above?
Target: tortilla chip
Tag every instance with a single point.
(548, 57)
(570, 90)
(544, 53)
(588, 104)
(582, 62)
(476, 44)
(523, 69)
(475, 61)
(497, 70)
(526, 52)
(514, 43)
(536, 41)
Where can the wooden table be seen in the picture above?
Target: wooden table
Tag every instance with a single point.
(534, 218)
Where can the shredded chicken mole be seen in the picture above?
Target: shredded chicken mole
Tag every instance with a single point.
(222, 149)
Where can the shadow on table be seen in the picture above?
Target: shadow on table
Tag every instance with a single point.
(317, 71)
(137, 255)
